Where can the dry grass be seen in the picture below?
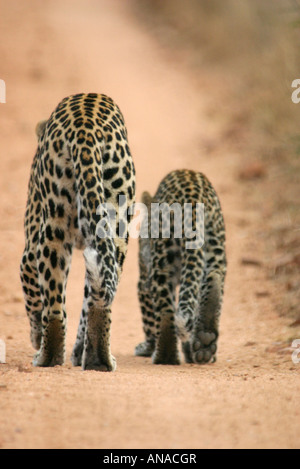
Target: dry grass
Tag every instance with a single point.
(249, 52)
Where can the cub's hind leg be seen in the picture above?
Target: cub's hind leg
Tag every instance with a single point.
(189, 298)
(146, 348)
(206, 327)
(163, 285)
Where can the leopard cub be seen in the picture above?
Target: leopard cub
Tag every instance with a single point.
(168, 261)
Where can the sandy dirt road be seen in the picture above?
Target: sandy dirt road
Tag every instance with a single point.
(250, 397)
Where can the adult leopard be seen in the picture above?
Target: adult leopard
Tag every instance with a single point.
(82, 161)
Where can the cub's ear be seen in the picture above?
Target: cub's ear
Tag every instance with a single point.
(146, 199)
(40, 127)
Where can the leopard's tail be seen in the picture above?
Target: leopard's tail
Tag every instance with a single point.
(95, 224)
(103, 277)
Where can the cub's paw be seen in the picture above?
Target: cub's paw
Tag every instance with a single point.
(76, 357)
(203, 347)
(108, 364)
(158, 360)
(186, 350)
(145, 349)
(165, 357)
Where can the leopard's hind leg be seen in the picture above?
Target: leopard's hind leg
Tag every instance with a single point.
(191, 279)
(163, 287)
(206, 327)
(205, 334)
(54, 257)
(146, 348)
(76, 357)
(101, 289)
(31, 289)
